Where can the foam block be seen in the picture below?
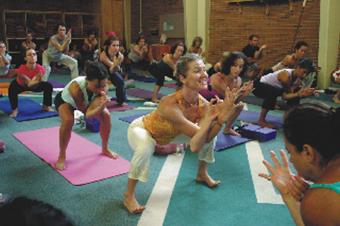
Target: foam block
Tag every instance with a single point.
(228, 141)
(28, 110)
(92, 124)
(256, 132)
(84, 164)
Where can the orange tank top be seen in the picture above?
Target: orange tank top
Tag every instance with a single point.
(164, 130)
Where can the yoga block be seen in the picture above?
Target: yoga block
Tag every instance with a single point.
(92, 125)
(256, 132)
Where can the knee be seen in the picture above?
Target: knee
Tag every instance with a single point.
(67, 123)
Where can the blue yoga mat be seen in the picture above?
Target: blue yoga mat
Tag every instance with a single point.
(253, 117)
(28, 110)
(223, 141)
(130, 118)
(228, 141)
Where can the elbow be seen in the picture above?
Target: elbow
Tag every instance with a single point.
(194, 148)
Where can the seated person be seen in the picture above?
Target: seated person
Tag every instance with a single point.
(139, 53)
(88, 95)
(5, 62)
(22, 211)
(285, 83)
(253, 53)
(112, 59)
(29, 78)
(311, 132)
(232, 67)
(159, 50)
(90, 45)
(58, 47)
(290, 61)
(182, 117)
(28, 42)
(166, 67)
(196, 46)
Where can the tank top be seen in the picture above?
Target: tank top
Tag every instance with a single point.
(335, 186)
(272, 78)
(66, 95)
(164, 130)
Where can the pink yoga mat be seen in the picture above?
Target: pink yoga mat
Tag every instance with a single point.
(85, 163)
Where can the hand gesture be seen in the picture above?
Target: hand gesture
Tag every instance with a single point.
(263, 46)
(297, 187)
(280, 174)
(306, 92)
(69, 34)
(104, 99)
(244, 90)
(210, 114)
(227, 109)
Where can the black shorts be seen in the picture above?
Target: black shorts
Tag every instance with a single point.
(58, 100)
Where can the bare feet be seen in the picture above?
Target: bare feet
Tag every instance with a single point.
(47, 108)
(132, 205)
(110, 154)
(207, 180)
(60, 164)
(230, 131)
(14, 113)
(265, 124)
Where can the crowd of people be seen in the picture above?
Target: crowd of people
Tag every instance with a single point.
(203, 104)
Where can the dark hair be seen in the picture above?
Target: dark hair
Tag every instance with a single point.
(197, 38)
(252, 36)
(91, 32)
(174, 47)
(95, 70)
(26, 50)
(229, 61)
(139, 38)
(182, 66)
(299, 44)
(28, 212)
(316, 124)
(61, 24)
(307, 64)
(107, 44)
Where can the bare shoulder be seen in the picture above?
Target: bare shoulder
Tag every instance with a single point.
(321, 207)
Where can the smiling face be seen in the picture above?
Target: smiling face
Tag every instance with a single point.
(196, 77)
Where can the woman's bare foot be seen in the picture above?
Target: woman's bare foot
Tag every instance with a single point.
(47, 108)
(132, 205)
(14, 113)
(230, 131)
(265, 124)
(207, 180)
(60, 164)
(110, 154)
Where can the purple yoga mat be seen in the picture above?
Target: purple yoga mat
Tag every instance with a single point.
(84, 164)
(112, 106)
(56, 84)
(146, 94)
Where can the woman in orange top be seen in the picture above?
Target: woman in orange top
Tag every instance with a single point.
(182, 117)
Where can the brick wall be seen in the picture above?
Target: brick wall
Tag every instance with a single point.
(229, 30)
(151, 11)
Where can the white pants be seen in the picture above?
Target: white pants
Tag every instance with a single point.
(70, 62)
(143, 145)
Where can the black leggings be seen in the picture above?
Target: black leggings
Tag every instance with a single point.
(15, 89)
(269, 94)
